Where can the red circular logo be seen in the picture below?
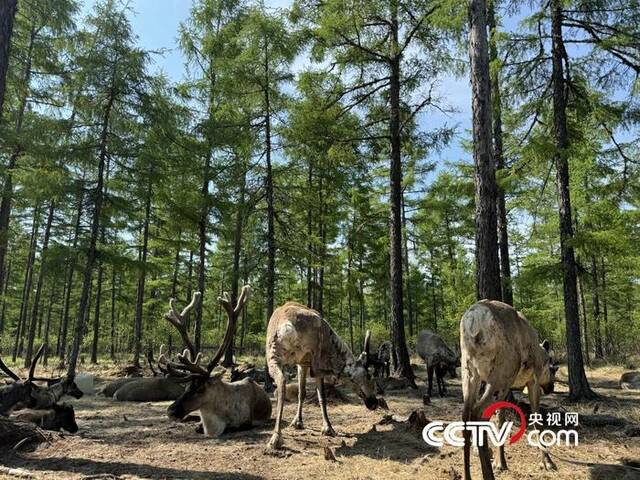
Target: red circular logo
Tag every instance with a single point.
(491, 409)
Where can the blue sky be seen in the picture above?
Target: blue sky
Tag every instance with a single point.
(156, 24)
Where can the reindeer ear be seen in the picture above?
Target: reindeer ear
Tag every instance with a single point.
(546, 345)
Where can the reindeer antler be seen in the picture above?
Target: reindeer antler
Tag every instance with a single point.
(232, 312)
(9, 373)
(365, 349)
(177, 319)
(32, 367)
(167, 367)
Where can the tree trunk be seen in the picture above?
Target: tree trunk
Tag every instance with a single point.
(4, 298)
(608, 336)
(309, 238)
(406, 266)
(96, 316)
(487, 264)
(142, 276)
(585, 333)
(578, 385)
(35, 314)
(26, 286)
(7, 14)
(7, 191)
(47, 325)
(71, 266)
(112, 347)
(271, 212)
(235, 269)
(203, 224)
(81, 317)
(597, 331)
(395, 211)
(498, 152)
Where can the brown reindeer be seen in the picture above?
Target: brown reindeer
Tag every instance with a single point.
(56, 418)
(222, 405)
(500, 352)
(22, 393)
(298, 335)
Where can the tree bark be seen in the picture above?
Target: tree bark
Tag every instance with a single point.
(597, 329)
(35, 314)
(112, 347)
(403, 368)
(26, 286)
(498, 151)
(7, 14)
(487, 263)
(4, 298)
(271, 212)
(71, 264)
(92, 252)
(579, 388)
(47, 325)
(7, 190)
(406, 266)
(235, 269)
(142, 276)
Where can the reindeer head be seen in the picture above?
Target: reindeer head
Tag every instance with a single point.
(68, 385)
(65, 417)
(358, 374)
(203, 385)
(28, 390)
(547, 373)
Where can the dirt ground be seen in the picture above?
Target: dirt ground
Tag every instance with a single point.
(131, 441)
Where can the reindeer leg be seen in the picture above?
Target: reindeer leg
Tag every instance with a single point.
(276, 372)
(430, 379)
(501, 462)
(327, 429)
(534, 399)
(302, 393)
(470, 390)
(483, 451)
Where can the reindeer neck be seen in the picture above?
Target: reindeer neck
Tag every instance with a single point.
(342, 350)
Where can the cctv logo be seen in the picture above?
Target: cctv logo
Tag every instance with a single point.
(437, 434)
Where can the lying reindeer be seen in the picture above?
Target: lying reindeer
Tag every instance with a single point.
(20, 392)
(298, 335)
(500, 351)
(164, 385)
(59, 417)
(222, 405)
(438, 358)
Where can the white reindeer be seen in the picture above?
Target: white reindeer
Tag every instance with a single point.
(298, 335)
(500, 351)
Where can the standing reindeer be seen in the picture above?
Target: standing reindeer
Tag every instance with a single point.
(222, 405)
(298, 335)
(500, 351)
(438, 358)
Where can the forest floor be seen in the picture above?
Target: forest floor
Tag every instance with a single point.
(130, 441)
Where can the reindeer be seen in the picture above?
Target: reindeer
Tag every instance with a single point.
(58, 417)
(298, 335)
(500, 351)
(21, 393)
(222, 405)
(437, 357)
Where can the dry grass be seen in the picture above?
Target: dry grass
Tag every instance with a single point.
(126, 440)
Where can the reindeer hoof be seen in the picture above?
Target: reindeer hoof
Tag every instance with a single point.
(297, 424)
(275, 443)
(328, 431)
(501, 467)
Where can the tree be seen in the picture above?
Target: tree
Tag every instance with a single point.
(7, 13)
(487, 264)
